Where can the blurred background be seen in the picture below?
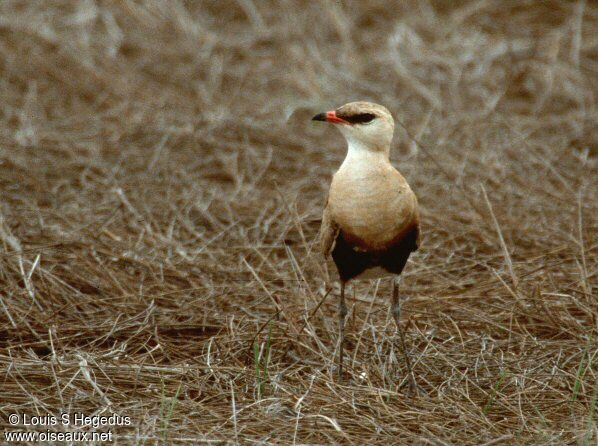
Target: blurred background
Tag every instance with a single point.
(161, 186)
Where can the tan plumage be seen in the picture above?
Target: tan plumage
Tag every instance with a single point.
(370, 223)
(329, 230)
(370, 203)
(374, 211)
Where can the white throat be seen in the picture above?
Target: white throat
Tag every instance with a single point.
(361, 157)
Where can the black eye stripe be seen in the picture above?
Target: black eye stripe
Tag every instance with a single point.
(360, 118)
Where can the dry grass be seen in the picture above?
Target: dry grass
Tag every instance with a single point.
(161, 186)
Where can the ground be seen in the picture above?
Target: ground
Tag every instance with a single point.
(161, 192)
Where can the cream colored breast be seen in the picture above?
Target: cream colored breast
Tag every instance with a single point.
(373, 205)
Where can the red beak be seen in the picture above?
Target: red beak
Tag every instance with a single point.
(329, 116)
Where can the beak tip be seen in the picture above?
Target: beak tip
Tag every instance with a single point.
(319, 117)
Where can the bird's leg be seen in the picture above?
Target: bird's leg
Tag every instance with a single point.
(354, 312)
(342, 313)
(396, 313)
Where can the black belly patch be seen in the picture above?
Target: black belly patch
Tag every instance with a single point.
(351, 261)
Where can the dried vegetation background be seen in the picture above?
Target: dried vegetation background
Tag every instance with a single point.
(161, 186)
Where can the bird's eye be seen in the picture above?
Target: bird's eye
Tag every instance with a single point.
(361, 118)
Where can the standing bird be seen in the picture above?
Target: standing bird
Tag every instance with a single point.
(370, 224)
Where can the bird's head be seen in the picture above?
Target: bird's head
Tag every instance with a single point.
(364, 123)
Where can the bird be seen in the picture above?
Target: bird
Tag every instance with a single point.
(371, 220)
